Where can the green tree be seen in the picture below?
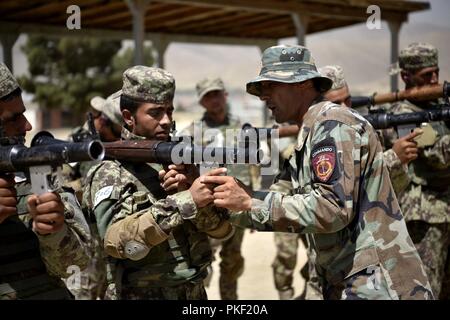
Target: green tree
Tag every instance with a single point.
(67, 72)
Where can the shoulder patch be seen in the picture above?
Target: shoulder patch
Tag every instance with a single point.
(102, 194)
(323, 160)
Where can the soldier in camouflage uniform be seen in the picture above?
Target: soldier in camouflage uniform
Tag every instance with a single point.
(335, 187)
(156, 243)
(42, 237)
(217, 119)
(107, 119)
(403, 151)
(426, 201)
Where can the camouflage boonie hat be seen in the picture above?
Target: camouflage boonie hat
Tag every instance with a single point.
(336, 74)
(110, 107)
(418, 55)
(148, 84)
(287, 64)
(207, 85)
(7, 81)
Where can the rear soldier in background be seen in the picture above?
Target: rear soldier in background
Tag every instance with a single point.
(217, 119)
(426, 201)
(335, 187)
(108, 121)
(42, 237)
(403, 150)
(157, 244)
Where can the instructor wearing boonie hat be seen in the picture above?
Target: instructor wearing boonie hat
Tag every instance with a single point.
(335, 188)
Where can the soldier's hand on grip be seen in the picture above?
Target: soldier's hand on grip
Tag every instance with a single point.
(47, 211)
(406, 148)
(230, 193)
(8, 200)
(201, 192)
(178, 177)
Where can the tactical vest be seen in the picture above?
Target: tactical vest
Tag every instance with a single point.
(182, 258)
(422, 170)
(23, 274)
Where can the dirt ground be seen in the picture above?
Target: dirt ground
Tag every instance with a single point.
(256, 283)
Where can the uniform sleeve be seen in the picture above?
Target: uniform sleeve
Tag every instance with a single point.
(129, 223)
(398, 172)
(328, 206)
(438, 156)
(70, 246)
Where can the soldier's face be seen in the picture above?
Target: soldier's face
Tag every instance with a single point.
(339, 96)
(153, 121)
(215, 101)
(421, 77)
(286, 100)
(13, 118)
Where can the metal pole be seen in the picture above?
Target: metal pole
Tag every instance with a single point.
(138, 8)
(394, 27)
(8, 41)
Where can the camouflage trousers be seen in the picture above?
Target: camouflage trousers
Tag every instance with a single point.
(432, 242)
(187, 291)
(284, 265)
(231, 264)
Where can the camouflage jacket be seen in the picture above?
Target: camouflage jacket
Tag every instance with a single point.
(59, 255)
(216, 138)
(427, 196)
(121, 195)
(336, 187)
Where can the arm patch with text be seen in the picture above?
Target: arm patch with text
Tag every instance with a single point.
(324, 161)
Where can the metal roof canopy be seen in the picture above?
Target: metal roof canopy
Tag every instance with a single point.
(239, 22)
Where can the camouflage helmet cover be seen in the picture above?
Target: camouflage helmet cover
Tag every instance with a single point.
(7, 81)
(418, 55)
(148, 84)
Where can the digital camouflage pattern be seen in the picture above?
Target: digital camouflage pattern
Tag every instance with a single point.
(432, 241)
(397, 171)
(148, 84)
(287, 64)
(7, 81)
(336, 74)
(427, 197)
(425, 202)
(418, 55)
(153, 228)
(37, 263)
(340, 193)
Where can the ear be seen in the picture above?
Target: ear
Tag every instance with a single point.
(406, 77)
(128, 118)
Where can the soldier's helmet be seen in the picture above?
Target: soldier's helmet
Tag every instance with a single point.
(418, 55)
(7, 81)
(336, 74)
(207, 85)
(287, 64)
(148, 84)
